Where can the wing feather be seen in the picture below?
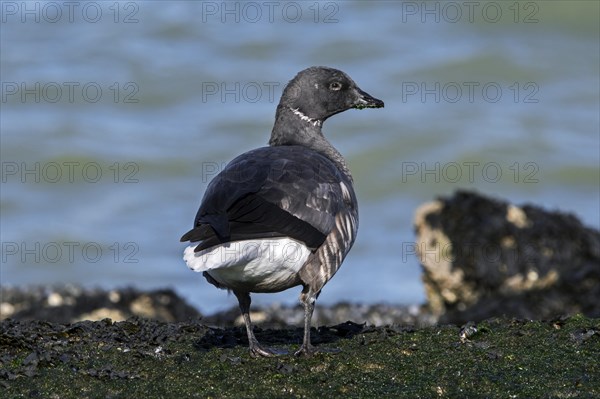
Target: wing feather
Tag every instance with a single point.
(273, 191)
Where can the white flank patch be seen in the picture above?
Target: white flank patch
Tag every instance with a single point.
(267, 265)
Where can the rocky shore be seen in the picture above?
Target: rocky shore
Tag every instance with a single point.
(146, 358)
(513, 311)
(70, 304)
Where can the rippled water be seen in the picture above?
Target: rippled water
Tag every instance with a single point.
(116, 115)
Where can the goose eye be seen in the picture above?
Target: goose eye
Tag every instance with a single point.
(335, 86)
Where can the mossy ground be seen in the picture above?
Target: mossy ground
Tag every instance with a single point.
(146, 359)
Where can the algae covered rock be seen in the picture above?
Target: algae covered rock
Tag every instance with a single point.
(71, 303)
(484, 257)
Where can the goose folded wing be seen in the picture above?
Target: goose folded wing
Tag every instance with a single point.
(272, 192)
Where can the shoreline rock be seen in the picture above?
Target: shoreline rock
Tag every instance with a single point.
(485, 257)
(70, 304)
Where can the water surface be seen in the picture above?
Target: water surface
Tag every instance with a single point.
(104, 162)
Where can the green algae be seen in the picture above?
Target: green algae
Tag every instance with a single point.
(143, 358)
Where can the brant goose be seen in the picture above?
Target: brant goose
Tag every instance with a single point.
(285, 215)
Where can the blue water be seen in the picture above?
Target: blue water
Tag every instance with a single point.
(115, 117)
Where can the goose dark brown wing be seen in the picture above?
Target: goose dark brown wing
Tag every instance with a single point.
(273, 192)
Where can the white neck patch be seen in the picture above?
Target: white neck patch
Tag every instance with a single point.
(305, 118)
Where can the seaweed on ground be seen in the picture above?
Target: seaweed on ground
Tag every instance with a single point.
(140, 357)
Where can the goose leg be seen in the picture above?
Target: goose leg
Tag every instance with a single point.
(308, 299)
(256, 350)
